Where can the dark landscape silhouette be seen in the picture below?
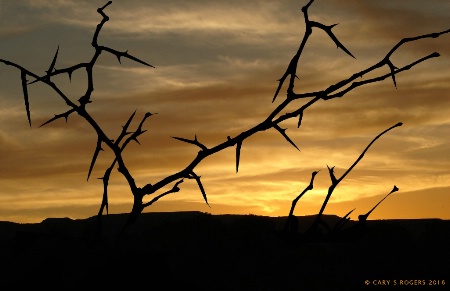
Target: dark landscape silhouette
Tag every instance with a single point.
(201, 251)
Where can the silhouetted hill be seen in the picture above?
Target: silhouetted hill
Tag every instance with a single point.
(199, 251)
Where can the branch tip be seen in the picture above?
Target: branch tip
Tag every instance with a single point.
(283, 133)
(238, 154)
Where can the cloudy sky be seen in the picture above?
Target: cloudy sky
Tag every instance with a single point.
(217, 63)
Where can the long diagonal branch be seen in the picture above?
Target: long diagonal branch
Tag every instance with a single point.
(335, 181)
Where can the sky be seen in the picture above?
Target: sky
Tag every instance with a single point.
(216, 69)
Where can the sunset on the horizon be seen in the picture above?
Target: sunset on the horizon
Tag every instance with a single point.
(216, 69)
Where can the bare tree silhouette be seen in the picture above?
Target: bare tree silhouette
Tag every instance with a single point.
(151, 191)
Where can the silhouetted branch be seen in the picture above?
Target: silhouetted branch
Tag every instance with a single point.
(100, 25)
(384, 61)
(411, 39)
(366, 149)
(342, 221)
(292, 67)
(52, 65)
(238, 154)
(332, 176)
(392, 68)
(174, 189)
(64, 115)
(194, 141)
(107, 174)
(49, 72)
(98, 148)
(294, 202)
(380, 78)
(283, 133)
(31, 74)
(192, 175)
(365, 216)
(124, 54)
(124, 131)
(327, 29)
(335, 181)
(56, 72)
(23, 76)
(139, 131)
(105, 180)
(300, 117)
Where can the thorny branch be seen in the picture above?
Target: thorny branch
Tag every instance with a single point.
(86, 99)
(272, 121)
(335, 181)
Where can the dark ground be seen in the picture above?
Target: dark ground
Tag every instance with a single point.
(199, 251)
